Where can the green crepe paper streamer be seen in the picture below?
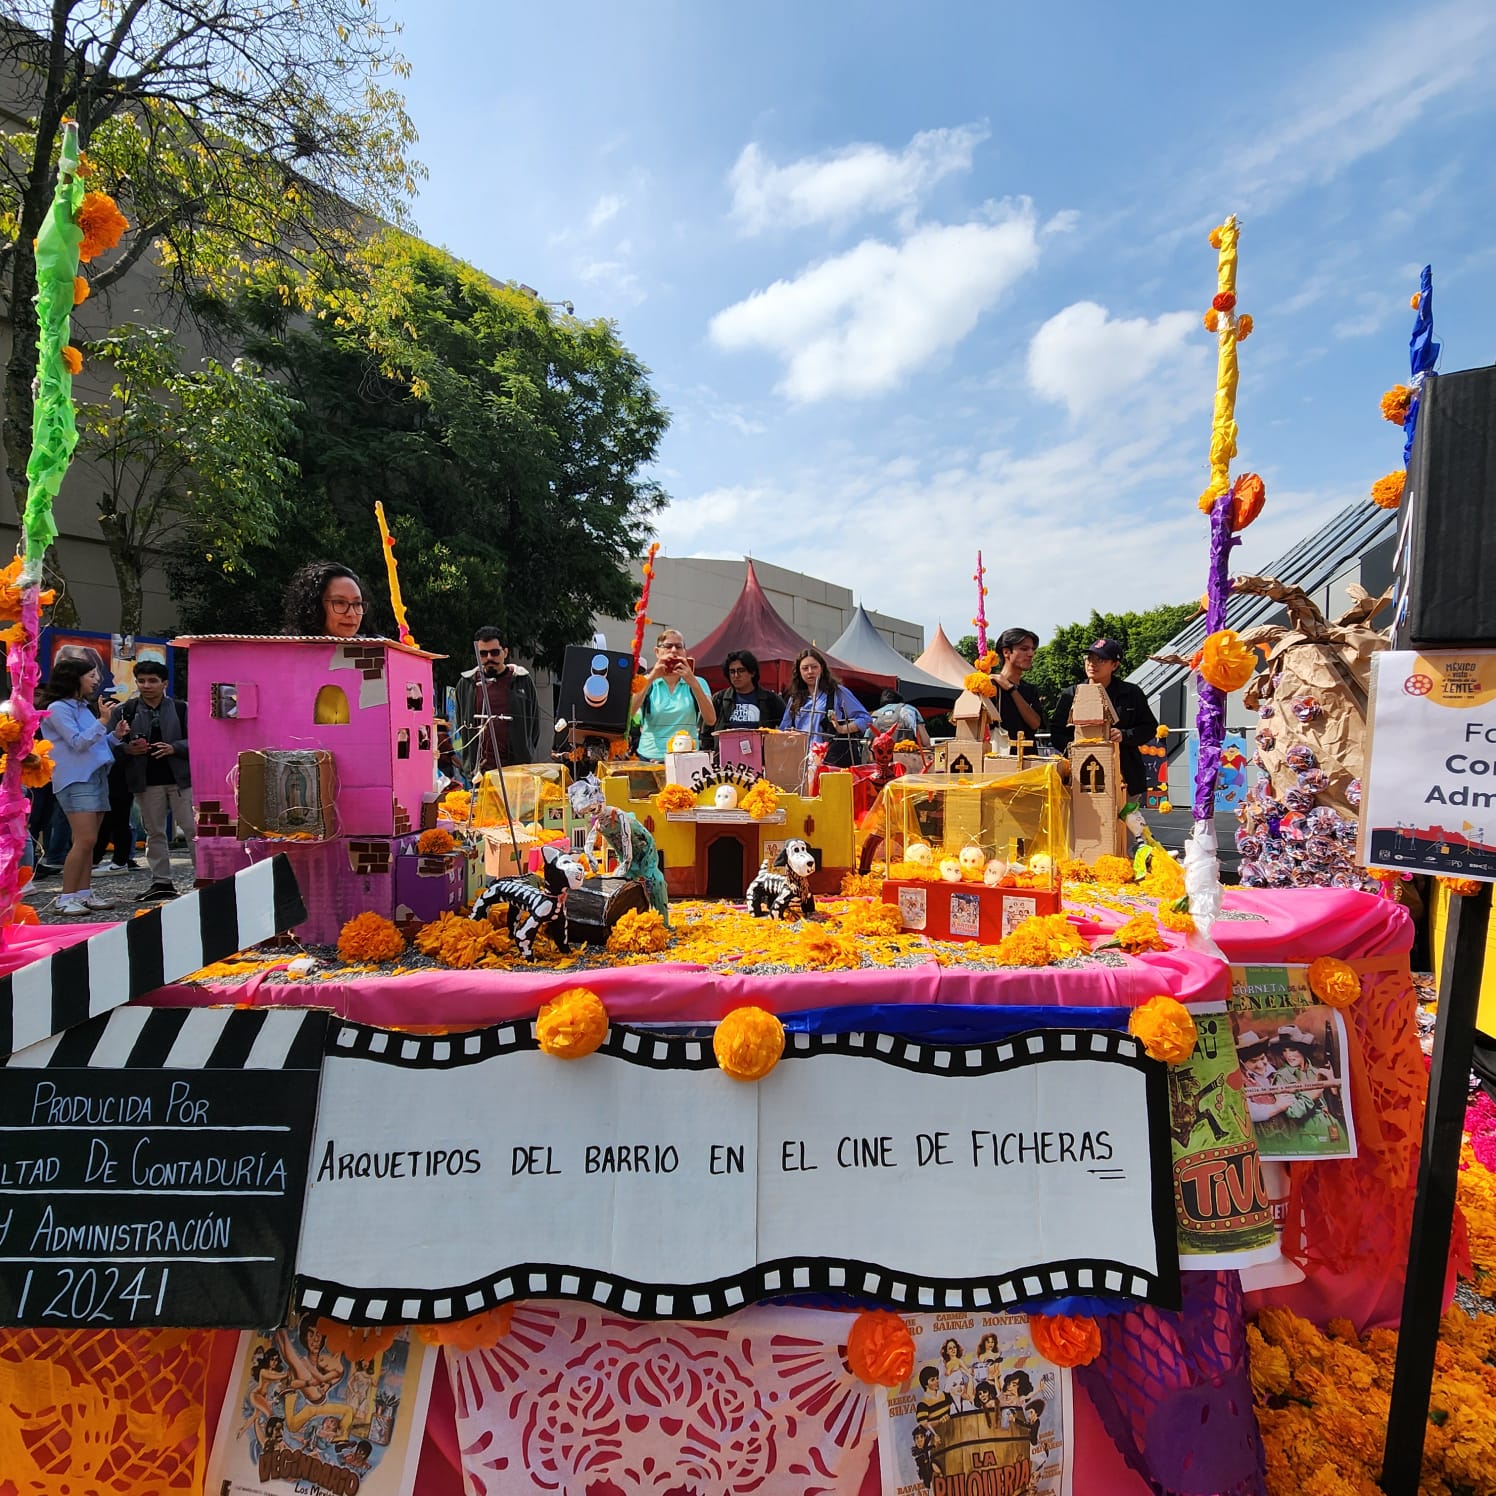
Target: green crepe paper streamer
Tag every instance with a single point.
(54, 427)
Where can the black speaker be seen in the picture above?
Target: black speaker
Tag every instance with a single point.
(1447, 553)
(595, 688)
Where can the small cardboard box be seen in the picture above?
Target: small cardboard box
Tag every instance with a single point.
(784, 759)
(679, 767)
(965, 911)
(426, 886)
(741, 745)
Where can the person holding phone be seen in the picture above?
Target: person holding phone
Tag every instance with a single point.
(672, 698)
(828, 711)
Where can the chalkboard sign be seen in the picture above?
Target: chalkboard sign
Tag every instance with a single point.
(153, 1167)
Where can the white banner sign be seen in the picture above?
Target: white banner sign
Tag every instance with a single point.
(451, 1174)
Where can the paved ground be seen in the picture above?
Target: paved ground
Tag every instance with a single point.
(124, 888)
(1173, 829)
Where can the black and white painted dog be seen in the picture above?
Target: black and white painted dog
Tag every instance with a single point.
(532, 905)
(775, 893)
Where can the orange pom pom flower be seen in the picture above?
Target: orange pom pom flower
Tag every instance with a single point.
(478, 1332)
(1065, 1339)
(1334, 982)
(748, 1043)
(102, 223)
(1395, 404)
(1223, 301)
(880, 1349)
(435, 842)
(1212, 320)
(1225, 662)
(572, 1025)
(1244, 326)
(1164, 1028)
(73, 360)
(1386, 493)
(1247, 498)
(81, 290)
(369, 937)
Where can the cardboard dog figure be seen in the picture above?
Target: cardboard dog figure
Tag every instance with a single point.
(628, 837)
(532, 906)
(774, 894)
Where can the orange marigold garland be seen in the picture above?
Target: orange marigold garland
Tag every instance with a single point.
(572, 1025)
(1334, 982)
(880, 1349)
(478, 1332)
(1387, 492)
(369, 937)
(1165, 1029)
(748, 1043)
(1066, 1339)
(675, 797)
(760, 801)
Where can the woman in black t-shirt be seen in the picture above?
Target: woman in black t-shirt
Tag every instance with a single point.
(742, 702)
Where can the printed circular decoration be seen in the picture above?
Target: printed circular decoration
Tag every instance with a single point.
(1418, 685)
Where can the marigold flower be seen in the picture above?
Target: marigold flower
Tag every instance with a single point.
(1165, 1029)
(1334, 982)
(748, 1043)
(675, 797)
(81, 290)
(1387, 492)
(1395, 404)
(1225, 662)
(1247, 498)
(1244, 326)
(36, 767)
(572, 1025)
(1140, 934)
(880, 1349)
(10, 731)
(1179, 920)
(1465, 887)
(1040, 940)
(369, 937)
(979, 683)
(1110, 868)
(1164, 807)
(1212, 320)
(638, 932)
(1223, 301)
(1066, 1339)
(478, 1332)
(102, 223)
(73, 360)
(435, 842)
(458, 804)
(762, 800)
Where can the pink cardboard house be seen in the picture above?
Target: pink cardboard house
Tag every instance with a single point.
(323, 749)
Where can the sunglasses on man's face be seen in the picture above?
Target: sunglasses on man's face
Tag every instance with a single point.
(489, 654)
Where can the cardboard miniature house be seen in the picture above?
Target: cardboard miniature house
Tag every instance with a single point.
(973, 717)
(1097, 794)
(323, 749)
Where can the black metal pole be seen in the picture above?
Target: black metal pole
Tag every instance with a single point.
(1433, 1205)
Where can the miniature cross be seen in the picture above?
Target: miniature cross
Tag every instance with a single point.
(1020, 743)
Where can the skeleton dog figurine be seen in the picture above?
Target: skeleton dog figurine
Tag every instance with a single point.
(628, 837)
(776, 893)
(532, 905)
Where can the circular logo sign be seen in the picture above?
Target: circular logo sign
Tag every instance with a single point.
(1418, 685)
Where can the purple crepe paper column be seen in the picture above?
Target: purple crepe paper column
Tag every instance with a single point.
(1210, 714)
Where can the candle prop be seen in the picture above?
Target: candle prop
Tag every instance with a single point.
(396, 601)
(641, 608)
(981, 619)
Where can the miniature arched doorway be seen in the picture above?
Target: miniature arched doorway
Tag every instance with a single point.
(1093, 776)
(331, 709)
(724, 855)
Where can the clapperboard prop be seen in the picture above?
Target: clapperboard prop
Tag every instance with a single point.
(450, 1174)
(136, 956)
(153, 1168)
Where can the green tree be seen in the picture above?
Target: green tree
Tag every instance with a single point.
(1061, 661)
(237, 134)
(191, 459)
(510, 447)
(966, 646)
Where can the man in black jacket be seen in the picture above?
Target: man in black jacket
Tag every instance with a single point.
(1135, 724)
(498, 716)
(157, 770)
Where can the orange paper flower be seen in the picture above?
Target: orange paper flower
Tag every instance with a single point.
(1213, 238)
(1415, 300)
(1165, 1029)
(25, 915)
(1386, 493)
(81, 290)
(36, 767)
(477, 1332)
(1223, 301)
(1212, 320)
(1334, 982)
(762, 800)
(880, 1349)
(1065, 1339)
(73, 359)
(10, 731)
(748, 1043)
(572, 1025)
(1466, 887)
(1226, 662)
(369, 937)
(1244, 327)
(1395, 404)
(1247, 499)
(102, 223)
(435, 843)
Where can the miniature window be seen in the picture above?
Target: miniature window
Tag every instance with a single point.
(423, 739)
(1092, 776)
(415, 696)
(225, 699)
(331, 709)
(402, 743)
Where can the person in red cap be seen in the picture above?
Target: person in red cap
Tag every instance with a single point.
(1136, 723)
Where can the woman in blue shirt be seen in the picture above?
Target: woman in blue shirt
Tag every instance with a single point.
(827, 711)
(81, 757)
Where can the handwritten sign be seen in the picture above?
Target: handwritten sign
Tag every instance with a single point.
(153, 1167)
(451, 1174)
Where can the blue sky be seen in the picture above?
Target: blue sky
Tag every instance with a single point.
(917, 279)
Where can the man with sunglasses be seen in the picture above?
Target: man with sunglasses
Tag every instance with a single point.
(497, 713)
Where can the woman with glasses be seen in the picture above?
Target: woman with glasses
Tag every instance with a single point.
(671, 698)
(325, 598)
(742, 702)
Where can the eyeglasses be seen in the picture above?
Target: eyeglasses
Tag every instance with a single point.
(738, 670)
(345, 605)
(490, 654)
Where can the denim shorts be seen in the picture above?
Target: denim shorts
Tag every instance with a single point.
(88, 794)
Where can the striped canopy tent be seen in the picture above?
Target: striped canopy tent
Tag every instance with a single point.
(862, 645)
(753, 624)
(942, 661)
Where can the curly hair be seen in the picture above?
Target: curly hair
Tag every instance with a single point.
(303, 606)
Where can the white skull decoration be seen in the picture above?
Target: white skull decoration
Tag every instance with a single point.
(950, 869)
(726, 797)
(994, 872)
(972, 861)
(919, 854)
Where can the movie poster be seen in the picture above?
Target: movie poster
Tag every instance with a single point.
(984, 1415)
(304, 1419)
(1293, 1057)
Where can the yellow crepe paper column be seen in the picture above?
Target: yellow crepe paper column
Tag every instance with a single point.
(880, 1349)
(1334, 982)
(1065, 1339)
(369, 937)
(1164, 1028)
(1229, 329)
(572, 1025)
(1226, 662)
(748, 1043)
(478, 1332)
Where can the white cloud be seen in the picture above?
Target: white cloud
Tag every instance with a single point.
(606, 208)
(615, 276)
(841, 185)
(1085, 359)
(859, 323)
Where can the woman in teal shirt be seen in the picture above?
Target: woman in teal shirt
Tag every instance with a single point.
(672, 699)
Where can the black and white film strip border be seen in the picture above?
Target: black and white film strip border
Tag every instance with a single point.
(184, 1039)
(136, 956)
(1103, 1279)
(693, 1051)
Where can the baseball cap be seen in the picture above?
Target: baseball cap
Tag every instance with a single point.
(1105, 649)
